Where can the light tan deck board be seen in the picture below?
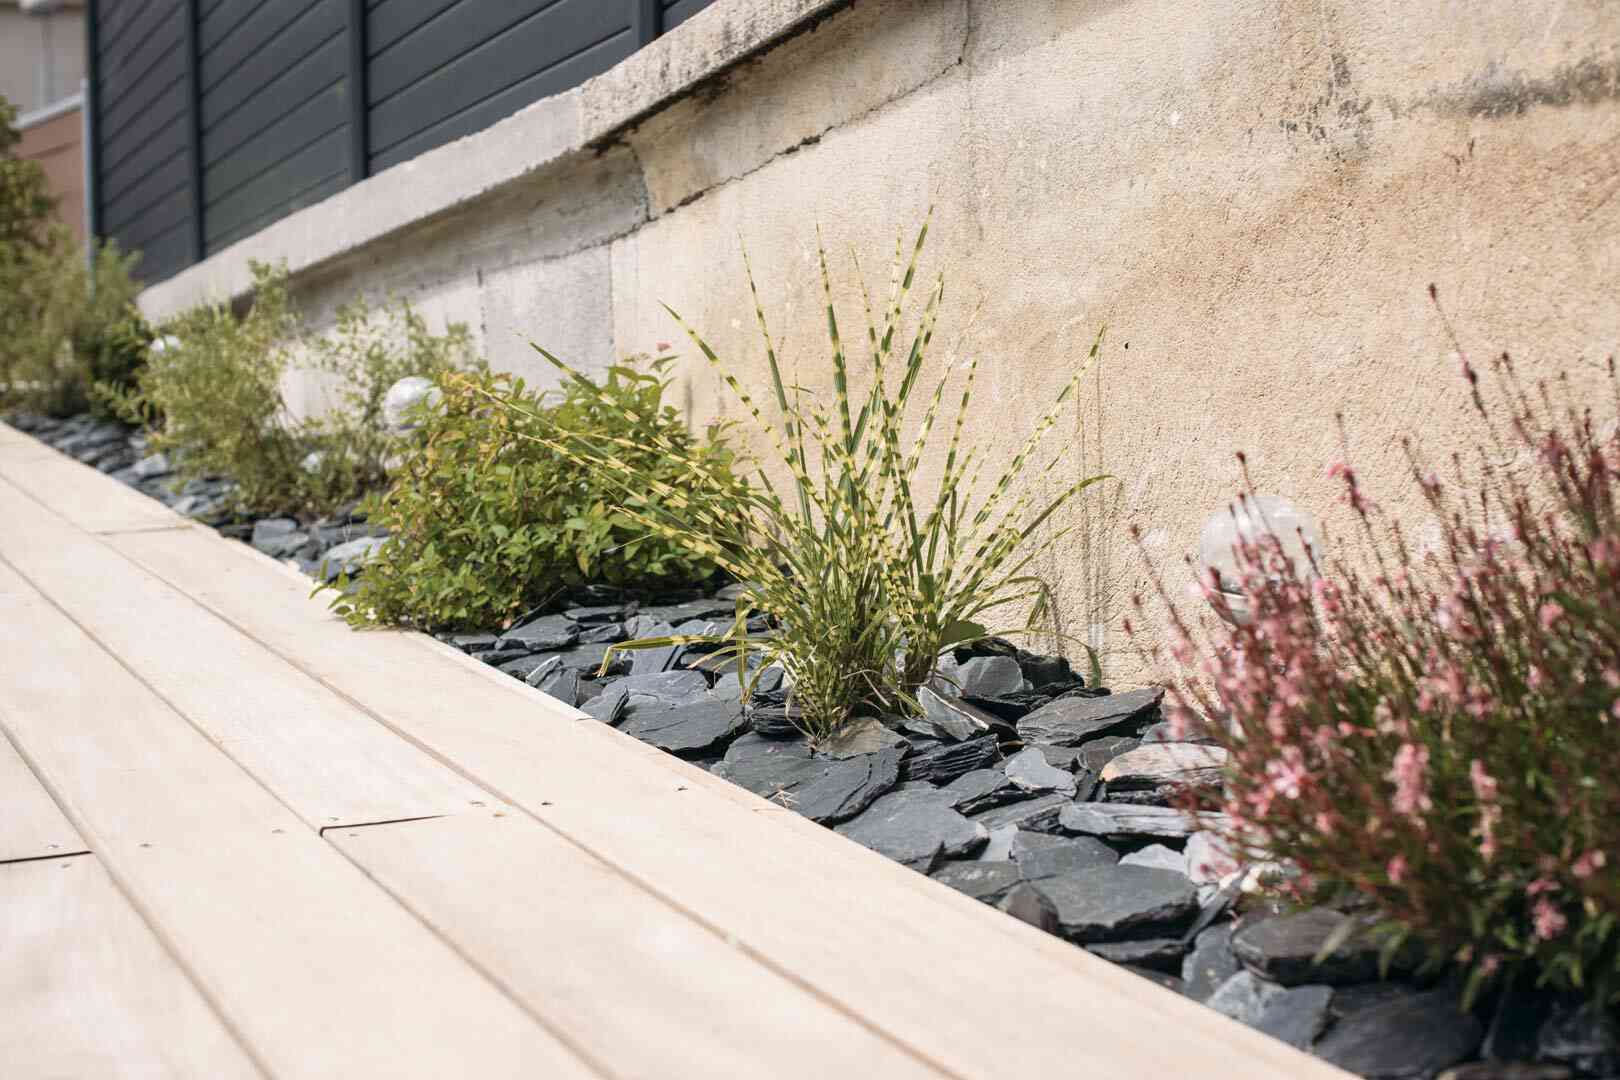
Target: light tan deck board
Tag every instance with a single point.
(318, 970)
(31, 824)
(90, 500)
(88, 991)
(328, 760)
(888, 945)
(645, 990)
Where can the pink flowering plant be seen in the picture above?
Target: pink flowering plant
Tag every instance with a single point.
(1438, 732)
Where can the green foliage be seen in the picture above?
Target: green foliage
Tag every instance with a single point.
(64, 324)
(214, 396)
(487, 520)
(866, 579)
(25, 198)
(57, 314)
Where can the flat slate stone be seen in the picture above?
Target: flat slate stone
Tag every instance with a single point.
(349, 558)
(279, 538)
(824, 789)
(863, 736)
(608, 706)
(540, 635)
(688, 730)
(1244, 997)
(1159, 857)
(982, 789)
(497, 657)
(1042, 855)
(587, 658)
(1283, 949)
(915, 828)
(951, 718)
(943, 764)
(562, 684)
(1029, 771)
(1094, 754)
(1027, 903)
(660, 690)
(1118, 821)
(604, 613)
(989, 677)
(1296, 1015)
(999, 846)
(674, 614)
(1039, 814)
(1159, 954)
(1070, 721)
(1211, 962)
(1208, 858)
(1111, 903)
(1167, 762)
(1404, 1039)
(473, 643)
(986, 881)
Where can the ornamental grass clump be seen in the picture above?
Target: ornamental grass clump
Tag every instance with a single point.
(865, 578)
(1440, 731)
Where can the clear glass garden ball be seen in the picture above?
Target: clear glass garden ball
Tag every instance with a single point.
(1248, 520)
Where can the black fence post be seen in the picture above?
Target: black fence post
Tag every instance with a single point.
(92, 126)
(359, 164)
(646, 18)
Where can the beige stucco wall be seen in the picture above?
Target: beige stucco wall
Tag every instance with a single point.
(1252, 195)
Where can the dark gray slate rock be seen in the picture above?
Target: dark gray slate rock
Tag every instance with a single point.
(1152, 764)
(1060, 757)
(688, 730)
(350, 557)
(953, 719)
(1164, 795)
(540, 672)
(1039, 814)
(587, 659)
(1583, 1037)
(1070, 721)
(1211, 961)
(1042, 855)
(999, 846)
(945, 763)
(1159, 857)
(675, 614)
(1095, 754)
(278, 538)
(915, 828)
(1159, 954)
(865, 735)
(1029, 771)
(1243, 997)
(982, 789)
(604, 613)
(473, 643)
(562, 684)
(1028, 904)
(1297, 1015)
(1283, 949)
(659, 690)
(652, 660)
(152, 466)
(608, 706)
(1402, 1039)
(989, 677)
(498, 657)
(542, 634)
(987, 881)
(775, 721)
(823, 789)
(602, 634)
(1113, 821)
(1111, 903)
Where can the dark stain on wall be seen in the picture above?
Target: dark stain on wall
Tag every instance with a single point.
(1500, 92)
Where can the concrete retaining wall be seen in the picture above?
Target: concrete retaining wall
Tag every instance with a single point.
(1253, 195)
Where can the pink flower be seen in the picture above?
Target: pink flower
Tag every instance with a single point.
(1549, 921)
(1396, 869)
(1289, 773)
(1540, 885)
(1549, 613)
(1589, 864)
(1536, 679)
(1488, 966)
(1411, 777)
(1484, 784)
(663, 346)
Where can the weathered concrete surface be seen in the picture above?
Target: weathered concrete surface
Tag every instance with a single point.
(1253, 196)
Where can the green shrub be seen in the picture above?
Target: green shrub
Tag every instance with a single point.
(487, 520)
(215, 396)
(866, 579)
(1437, 732)
(25, 197)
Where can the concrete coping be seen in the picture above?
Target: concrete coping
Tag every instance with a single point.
(457, 177)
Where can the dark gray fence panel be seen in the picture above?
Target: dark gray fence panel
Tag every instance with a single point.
(213, 118)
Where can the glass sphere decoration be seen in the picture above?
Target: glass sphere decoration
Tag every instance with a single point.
(1247, 521)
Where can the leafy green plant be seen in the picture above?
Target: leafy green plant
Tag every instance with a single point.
(488, 520)
(25, 196)
(1435, 731)
(866, 579)
(215, 397)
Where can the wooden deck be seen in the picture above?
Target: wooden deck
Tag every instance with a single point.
(239, 839)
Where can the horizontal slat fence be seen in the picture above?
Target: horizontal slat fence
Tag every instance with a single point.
(213, 118)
